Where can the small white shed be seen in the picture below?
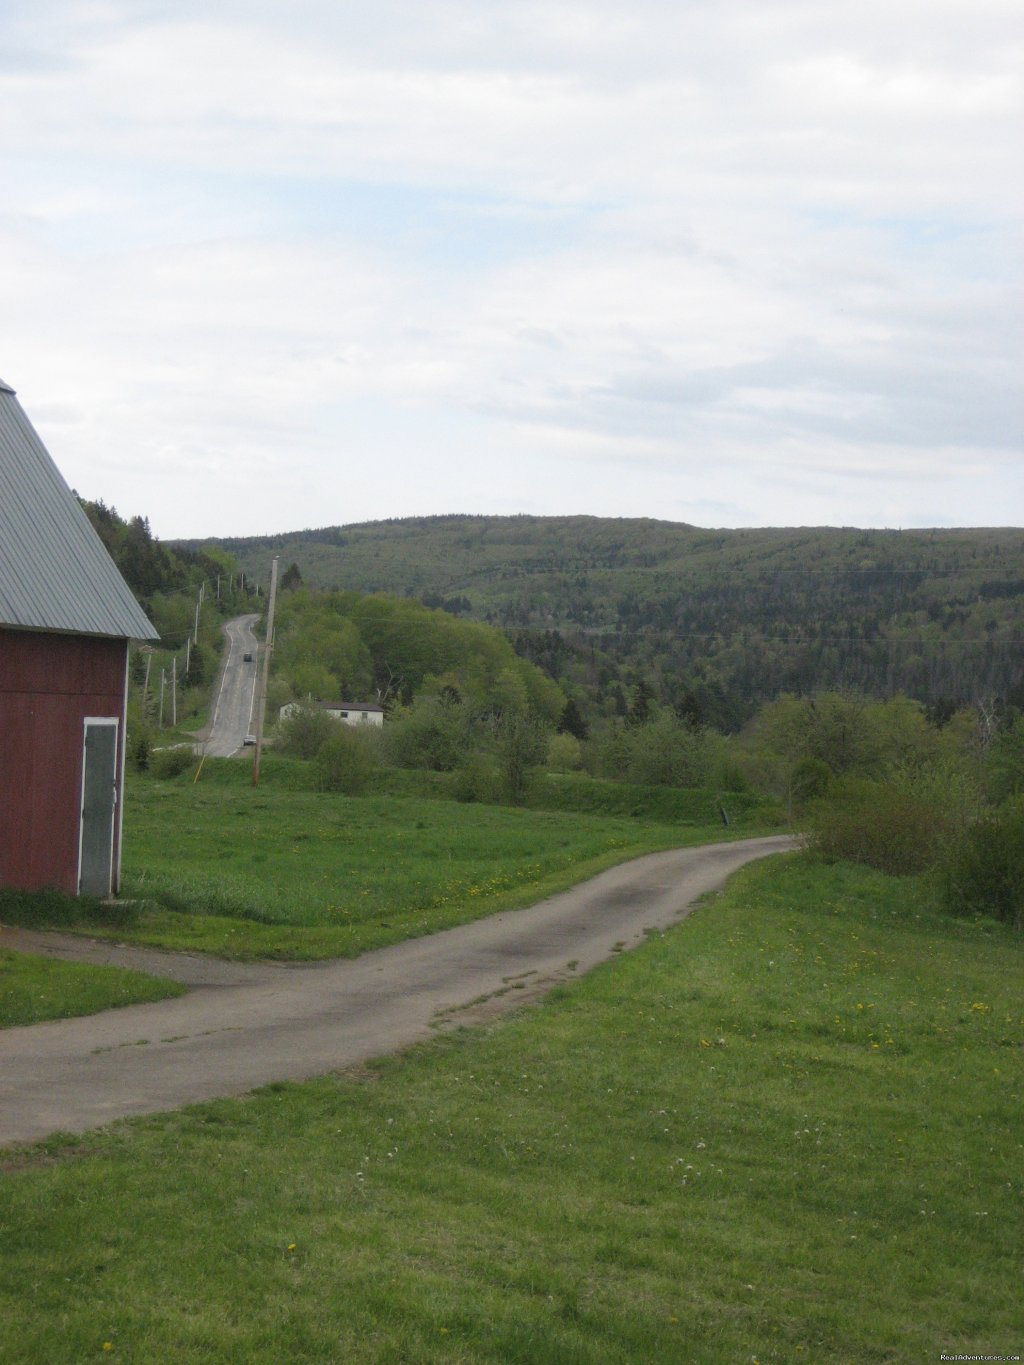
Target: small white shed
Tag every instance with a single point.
(348, 712)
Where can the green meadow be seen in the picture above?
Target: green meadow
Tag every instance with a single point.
(285, 872)
(788, 1129)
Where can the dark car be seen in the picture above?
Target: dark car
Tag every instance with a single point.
(247, 658)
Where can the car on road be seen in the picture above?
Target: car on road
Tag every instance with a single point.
(247, 658)
(249, 740)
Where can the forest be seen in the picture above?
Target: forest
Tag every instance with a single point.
(715, 623)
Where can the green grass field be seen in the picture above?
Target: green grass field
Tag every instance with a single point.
(788, 1129)
(285, 872)
(278, 872)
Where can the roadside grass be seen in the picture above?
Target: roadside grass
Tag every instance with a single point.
(35, 988)
(787, 1129)
(221, 867)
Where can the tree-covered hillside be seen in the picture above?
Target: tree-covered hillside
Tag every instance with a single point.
(352, 645)
(715, 622)
(186, 592)
(159, 574)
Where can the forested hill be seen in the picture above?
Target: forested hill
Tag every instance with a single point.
(713, 621)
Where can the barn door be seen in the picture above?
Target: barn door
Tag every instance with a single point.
(99, 802)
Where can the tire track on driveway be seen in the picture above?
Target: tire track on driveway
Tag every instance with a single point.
(243, 1025)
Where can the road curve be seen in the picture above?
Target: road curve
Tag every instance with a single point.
(243, 1026)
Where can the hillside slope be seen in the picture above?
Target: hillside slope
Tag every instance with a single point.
(715, 620)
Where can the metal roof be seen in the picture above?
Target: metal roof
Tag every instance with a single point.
(55, 572)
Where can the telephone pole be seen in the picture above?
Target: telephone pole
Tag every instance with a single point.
(267, 649)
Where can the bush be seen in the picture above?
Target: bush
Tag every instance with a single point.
(141, 749)
(304, 730)
(430, 734)
(520, 742)
(345, 761)
(881, 824)
(477, 779)
(171, 762)
(809, 782)
(564, 753)
(984, 874)
(664, 751)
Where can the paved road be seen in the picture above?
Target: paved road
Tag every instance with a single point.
(243, 1026)
(233, 716)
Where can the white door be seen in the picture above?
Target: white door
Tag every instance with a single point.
(99, 804)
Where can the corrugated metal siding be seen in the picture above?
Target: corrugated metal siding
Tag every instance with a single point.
(55, 573)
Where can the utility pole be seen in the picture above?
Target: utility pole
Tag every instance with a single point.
(174, 692)
(267, 649)
(163, 680)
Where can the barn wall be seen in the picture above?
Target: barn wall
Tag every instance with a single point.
(48, 685)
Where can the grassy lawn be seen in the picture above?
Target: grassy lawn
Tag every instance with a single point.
(274, 872)
(35, 988)
(788, 1129)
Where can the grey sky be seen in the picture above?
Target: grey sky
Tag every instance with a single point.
(272, 266)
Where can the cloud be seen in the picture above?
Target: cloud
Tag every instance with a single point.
(531, 253)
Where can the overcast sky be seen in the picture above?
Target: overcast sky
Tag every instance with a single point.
(277, 265)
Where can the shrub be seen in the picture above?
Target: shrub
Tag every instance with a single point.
(662, 751)
(141, 749)
(520, 742)
(1004, 761)
(564, 753)
(477, 779)
(429, 734)
(808, 781)
(345, 761)
(881, 824)
(304, 730)
(984, 874)
(171, 762)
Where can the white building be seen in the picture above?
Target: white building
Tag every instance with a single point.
(348, 712)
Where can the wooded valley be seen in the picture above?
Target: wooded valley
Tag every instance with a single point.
(713, 622)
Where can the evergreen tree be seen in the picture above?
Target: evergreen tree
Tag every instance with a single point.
(572, 722)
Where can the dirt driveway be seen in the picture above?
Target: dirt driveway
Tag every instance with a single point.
(242, 1026)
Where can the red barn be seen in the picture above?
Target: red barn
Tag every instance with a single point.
(66, 619)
